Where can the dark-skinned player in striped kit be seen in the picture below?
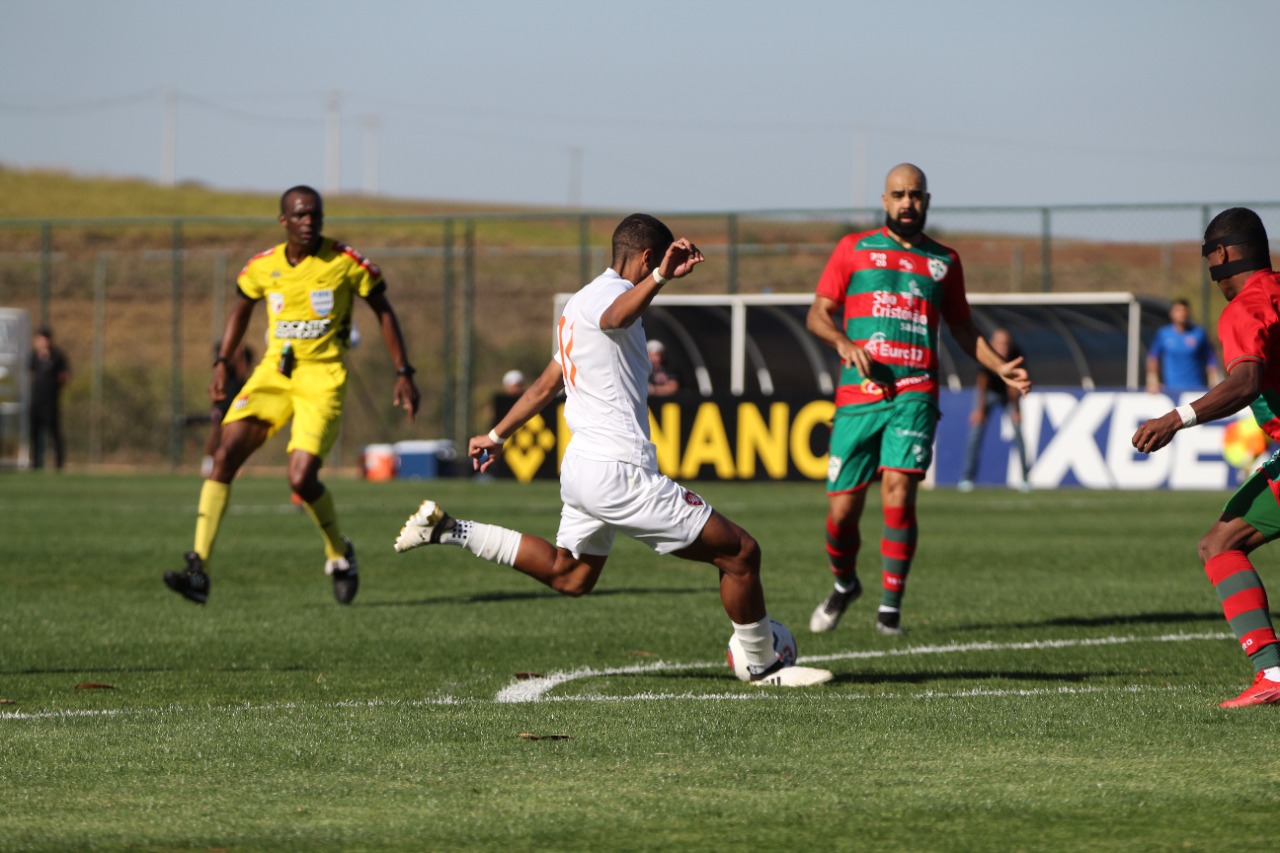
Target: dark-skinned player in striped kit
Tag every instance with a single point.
(1239, 256)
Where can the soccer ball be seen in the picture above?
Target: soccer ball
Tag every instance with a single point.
(1243, 441)
(784, 648)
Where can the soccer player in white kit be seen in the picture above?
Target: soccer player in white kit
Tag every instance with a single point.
(609, 478)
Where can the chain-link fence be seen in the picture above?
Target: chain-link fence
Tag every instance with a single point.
(138, 303)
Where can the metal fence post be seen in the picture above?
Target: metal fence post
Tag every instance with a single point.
(1206, 284)
(1046, 254)
(584, 247)
(446, 337)
(175, 389)
(462, 429)
(732, 284)
(99, 355)
(46, 271)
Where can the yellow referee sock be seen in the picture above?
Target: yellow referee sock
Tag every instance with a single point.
(213, 505)
(325, 516)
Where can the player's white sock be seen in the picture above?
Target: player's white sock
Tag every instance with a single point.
(757, 644)
(846, 588)
(487, 541)
(884, 609)
(1272, 673)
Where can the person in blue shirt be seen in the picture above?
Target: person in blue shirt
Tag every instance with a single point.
(1181, 357)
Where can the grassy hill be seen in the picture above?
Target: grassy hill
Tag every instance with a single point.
(49, 194)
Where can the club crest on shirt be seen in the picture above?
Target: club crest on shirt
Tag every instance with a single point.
(275, 301)
(691, 499)
(322, 302)
(937, 269)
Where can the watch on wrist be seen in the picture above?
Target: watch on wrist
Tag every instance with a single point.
(407, 370)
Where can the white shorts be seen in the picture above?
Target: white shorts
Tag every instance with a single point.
(603, 498)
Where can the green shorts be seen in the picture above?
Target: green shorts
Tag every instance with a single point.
(865, 440)
(1256, 500)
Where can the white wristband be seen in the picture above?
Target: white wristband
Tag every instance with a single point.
(657, 276)
(495, 438)
(1187, 414)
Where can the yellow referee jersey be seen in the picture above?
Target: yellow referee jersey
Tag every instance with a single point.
(310, 304)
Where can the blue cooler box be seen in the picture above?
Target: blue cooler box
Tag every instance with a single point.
(425, 460)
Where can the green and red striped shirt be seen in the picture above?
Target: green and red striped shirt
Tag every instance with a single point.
(893, 299)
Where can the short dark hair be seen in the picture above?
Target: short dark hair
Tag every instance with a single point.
(638, 232)
(1245, 229)
(300, 188)
(1184, 303)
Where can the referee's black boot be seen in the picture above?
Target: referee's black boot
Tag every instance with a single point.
(192, 583)
(346, 575)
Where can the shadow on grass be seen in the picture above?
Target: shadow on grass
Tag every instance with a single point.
(1101, 621)
(533, 595)
(971, 675)
(700, 674)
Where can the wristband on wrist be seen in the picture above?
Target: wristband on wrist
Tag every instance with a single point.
(495, 438)
(657, 277)
(407, 370)
(1187, 414)
(222, 359)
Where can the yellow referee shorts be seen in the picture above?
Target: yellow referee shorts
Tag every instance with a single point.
(313, 397)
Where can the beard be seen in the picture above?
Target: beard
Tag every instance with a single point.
(905, 229)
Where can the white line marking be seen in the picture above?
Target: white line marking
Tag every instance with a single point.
(857, 697)
(535, 689)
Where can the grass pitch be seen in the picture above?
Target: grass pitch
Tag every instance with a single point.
(1057, 689)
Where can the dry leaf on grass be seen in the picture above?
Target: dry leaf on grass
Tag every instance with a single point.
(94, 685)
(532, 736)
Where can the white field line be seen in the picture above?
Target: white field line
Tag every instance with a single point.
(535, 689)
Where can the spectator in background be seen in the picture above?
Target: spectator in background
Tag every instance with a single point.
(663, 381)
(1181, 357)
(49, 374)
(991, 394)
(513, 383)
(239, 366)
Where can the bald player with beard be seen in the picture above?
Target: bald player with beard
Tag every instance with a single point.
(879, 304)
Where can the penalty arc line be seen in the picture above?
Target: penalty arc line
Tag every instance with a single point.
(535, 689)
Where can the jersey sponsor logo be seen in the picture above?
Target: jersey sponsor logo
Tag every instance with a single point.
(885, 305)
(905, 264)
(691, 499)
(322, 301)
(878, 344)
(302, 329)
(938, 269)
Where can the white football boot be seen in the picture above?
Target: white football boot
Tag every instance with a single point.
(423, 527)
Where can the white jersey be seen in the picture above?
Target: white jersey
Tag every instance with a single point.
(606, 377)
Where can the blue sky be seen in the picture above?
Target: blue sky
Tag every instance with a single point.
(701, 105)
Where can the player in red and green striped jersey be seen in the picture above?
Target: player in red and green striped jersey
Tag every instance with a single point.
(1239, 254)
(892, 287)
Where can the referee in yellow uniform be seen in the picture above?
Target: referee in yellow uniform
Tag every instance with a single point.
(309, 283)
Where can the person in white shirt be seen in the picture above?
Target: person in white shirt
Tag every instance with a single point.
(609, 478)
